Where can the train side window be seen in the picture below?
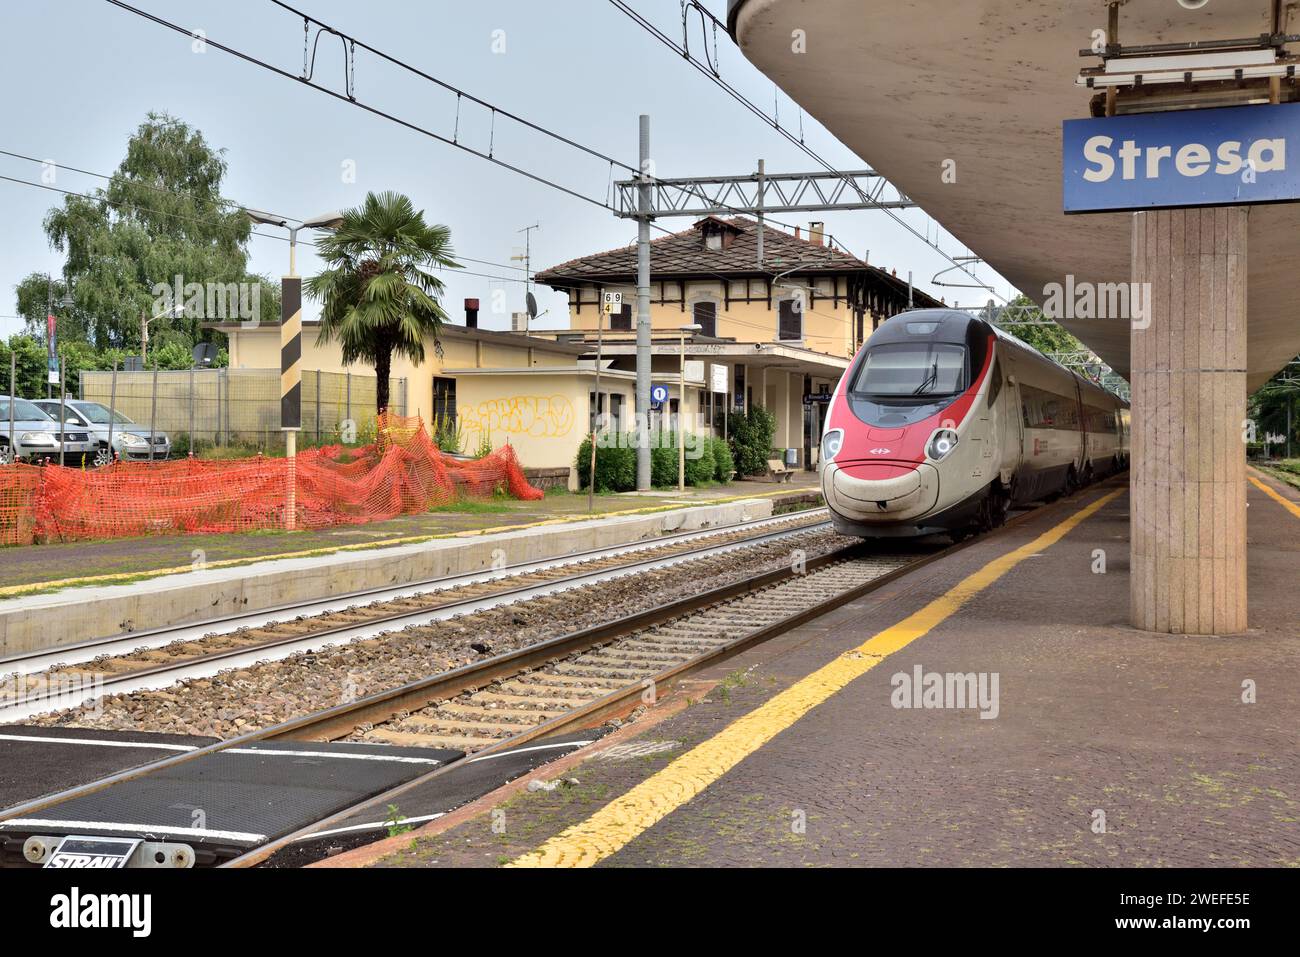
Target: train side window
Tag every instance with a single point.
(995, 386)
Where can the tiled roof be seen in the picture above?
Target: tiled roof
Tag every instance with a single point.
(684, 254)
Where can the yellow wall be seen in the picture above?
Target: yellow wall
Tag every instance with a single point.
(543, 416)
(259, 348)
(828, 327)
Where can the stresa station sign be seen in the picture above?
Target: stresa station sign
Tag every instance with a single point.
(1234, 156)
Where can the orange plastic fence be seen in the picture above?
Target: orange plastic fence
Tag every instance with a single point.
(402, 472)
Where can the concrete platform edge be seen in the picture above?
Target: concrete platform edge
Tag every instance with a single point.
(42, 622)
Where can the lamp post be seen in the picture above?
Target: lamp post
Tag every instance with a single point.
(681, 408)
(291, 346)
(175, 312)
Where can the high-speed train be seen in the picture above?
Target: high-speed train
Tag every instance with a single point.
(943, 422)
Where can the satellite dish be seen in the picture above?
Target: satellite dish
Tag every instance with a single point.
(532, 305)
(205, 353)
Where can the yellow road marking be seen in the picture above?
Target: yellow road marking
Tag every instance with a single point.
(1282, 500)
(16, 591)
(618, 823)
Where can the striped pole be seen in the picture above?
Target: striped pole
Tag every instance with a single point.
(291, 385)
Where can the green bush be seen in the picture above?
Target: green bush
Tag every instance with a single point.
(700, 467)
(722, 462)
(751, 439)
(663, 461)
(615, 463)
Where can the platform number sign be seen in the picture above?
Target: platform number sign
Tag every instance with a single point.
(659, 394)
(613, 302)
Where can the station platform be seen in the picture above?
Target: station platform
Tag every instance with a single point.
(56, 604)
(1092, 743)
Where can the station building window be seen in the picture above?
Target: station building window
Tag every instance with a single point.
(444, 400)
(790, 320)
(706, 317)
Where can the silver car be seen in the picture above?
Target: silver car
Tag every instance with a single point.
(130, 440)
(37, 438)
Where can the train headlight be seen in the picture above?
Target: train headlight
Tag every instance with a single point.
(941, 443)
(832, 442)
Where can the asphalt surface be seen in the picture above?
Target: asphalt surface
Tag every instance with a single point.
(1110, 746)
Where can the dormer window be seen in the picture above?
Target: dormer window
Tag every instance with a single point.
(712, 240)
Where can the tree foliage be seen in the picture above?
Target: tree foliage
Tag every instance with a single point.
(1048, 338)
(377, 296)
(161, 216)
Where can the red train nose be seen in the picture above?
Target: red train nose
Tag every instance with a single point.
(876, 471)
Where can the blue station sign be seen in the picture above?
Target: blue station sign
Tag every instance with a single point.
(1232, 156)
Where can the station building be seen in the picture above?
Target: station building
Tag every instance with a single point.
(528, 391)
(777, 332)
(780, 335)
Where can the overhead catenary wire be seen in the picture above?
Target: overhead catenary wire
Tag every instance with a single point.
(159, 189)
(775, 123)
(415, 127)
(462, 94)
(221, 200)
(117, 202)
(495, 110)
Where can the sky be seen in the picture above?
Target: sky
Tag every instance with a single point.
(80, 75)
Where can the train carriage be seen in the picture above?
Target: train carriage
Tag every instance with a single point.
(943, 422)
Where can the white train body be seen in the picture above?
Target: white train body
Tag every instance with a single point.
(943, 422)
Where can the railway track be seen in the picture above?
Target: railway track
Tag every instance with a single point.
(476, 720)
(124, 664)
(573, 681)
(568, 683)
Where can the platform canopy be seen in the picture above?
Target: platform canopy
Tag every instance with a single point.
(987, 83)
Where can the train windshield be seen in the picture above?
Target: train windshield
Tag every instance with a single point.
(905, 369)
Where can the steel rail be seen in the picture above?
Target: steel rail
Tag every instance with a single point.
(31, 662)
(331, 722)
(206, 665)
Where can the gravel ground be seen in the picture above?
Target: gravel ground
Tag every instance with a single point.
(238, 701)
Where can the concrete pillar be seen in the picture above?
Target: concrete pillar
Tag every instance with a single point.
(1188, 503)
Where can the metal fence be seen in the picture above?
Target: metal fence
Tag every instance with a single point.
(225, 406)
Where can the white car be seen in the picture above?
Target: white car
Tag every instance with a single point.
(130, 440)
(37, 438)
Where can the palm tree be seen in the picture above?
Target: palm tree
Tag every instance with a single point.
(378, 296)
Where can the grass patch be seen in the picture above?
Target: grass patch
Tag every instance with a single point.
(473, 507)
(1287, 472)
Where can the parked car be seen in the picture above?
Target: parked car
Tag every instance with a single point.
(130, 440)
(36, 437)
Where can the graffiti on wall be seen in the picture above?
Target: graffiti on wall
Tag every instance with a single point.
(538, 416)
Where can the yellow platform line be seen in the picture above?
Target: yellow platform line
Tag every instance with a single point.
(615, 825)
(1282, 500)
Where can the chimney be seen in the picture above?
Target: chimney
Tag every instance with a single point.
(796, 232)
(471, 313)
(816, 233)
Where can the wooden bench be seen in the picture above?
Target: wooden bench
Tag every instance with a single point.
(778, 471)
